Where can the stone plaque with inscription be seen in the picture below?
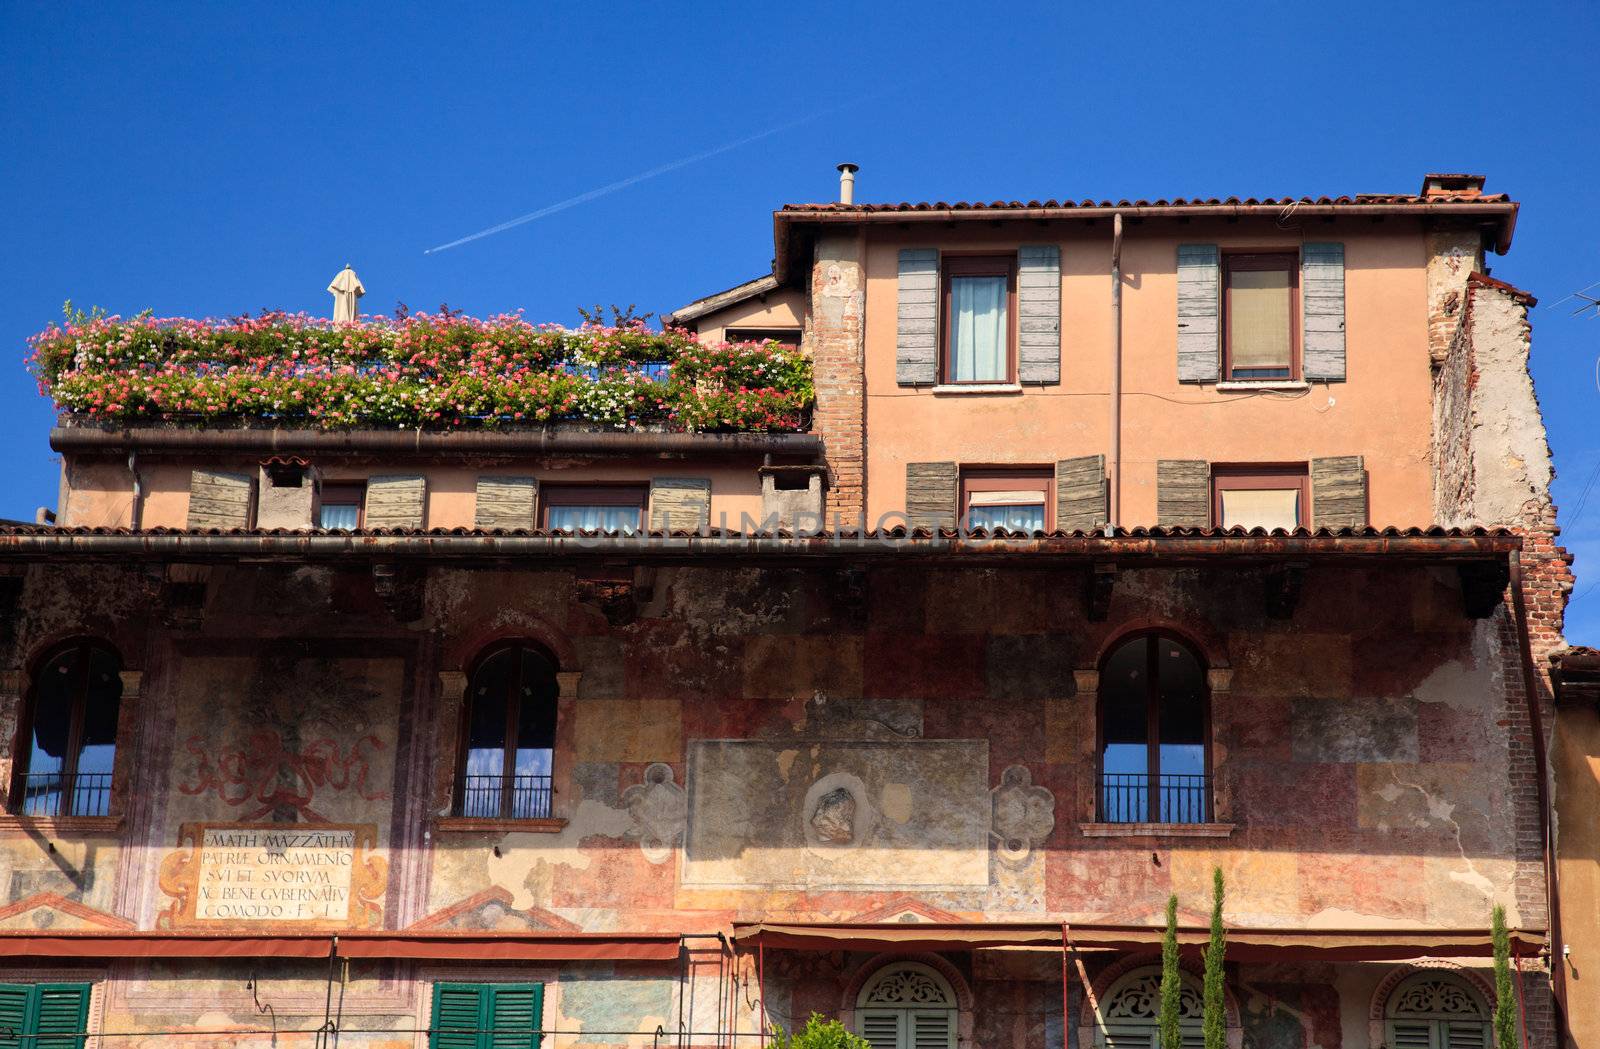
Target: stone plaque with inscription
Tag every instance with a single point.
(314, 876)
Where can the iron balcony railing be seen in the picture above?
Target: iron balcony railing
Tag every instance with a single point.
(58, 794)
(486, 797)
(1125, 797)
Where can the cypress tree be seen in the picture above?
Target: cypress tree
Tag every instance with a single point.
(1505, 996)
(1216, 1024)
(1171, 989)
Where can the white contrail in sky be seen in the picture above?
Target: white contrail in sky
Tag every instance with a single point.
(594, 194)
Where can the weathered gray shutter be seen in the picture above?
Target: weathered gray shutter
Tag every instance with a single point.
(1183, 493)
(932, 494)
(880, 1027)
(1322, 306)
(506, 502)
(680, 504)
(916, 341)
(396, 501)
(1081, 495)
(218, 500)
(932, 1029)
(1338, 492)
(1199, 310)
(1039, 314)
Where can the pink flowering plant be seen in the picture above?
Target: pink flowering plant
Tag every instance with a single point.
(432, 371)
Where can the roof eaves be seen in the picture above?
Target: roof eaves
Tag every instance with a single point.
(762, 285)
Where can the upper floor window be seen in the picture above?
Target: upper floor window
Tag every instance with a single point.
(1260, 496)
(508, 745)
(592, 508)
(341, 506)
(782, 336)
(907, 1006)
(1261, 301)
(980, 309)
(1016, 500)
(1155, 761)
(1436, 1010)
(69, 748)
(1132, 1012)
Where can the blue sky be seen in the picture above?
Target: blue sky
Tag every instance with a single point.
(214, 160)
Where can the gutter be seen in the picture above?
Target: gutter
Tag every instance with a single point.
(428, 444)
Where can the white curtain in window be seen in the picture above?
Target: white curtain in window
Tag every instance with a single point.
(1261, 508)
(594, 519)
(978, 332)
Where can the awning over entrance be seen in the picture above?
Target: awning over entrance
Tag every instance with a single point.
(1258, 945)
(536, 947)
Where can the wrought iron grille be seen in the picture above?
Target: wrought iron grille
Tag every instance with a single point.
(1125, 797)
(487, 797)
(58, 794)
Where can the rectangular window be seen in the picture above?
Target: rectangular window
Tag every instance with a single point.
(1260, 497)
(341, 506)
(784, 336)
(53, 1015)
(1016, 500)
(980, 310)
(1261, 306)
(486, 1016)
(592, 508)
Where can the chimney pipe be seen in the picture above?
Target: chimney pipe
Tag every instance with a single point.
(847, 183)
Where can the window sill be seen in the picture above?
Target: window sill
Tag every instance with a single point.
(61, 825)
(970, 388)
(1156, 830)
(1244, 385)
(489, 825)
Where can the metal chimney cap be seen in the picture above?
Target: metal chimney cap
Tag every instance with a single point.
(849, 168)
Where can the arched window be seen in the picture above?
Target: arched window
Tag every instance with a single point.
(907, 1006)
(1132, 1012)
(1155, 763)
(510, 734)
(69, 747)
(1436, 1010)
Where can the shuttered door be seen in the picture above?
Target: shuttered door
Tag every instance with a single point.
(1411, 1034)
(881, 1029)
(932, 1029)
(61, 1016)
(13, 1014)
(1464, 1034)
(459, 1014)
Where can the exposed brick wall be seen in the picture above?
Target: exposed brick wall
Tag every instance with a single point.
(834, 340)
(1452, 254)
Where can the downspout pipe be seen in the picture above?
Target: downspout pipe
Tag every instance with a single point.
(1114, 458)
(1530, 688)
(136, 515)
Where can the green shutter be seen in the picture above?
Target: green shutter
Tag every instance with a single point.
(1411, 1034)
(460, 1011)
(1465, 1034)
(933, 1029)
(60, 1015)
(515, 1013)
(13, 1014)
(881, 1028)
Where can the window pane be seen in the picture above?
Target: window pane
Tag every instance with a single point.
(1261, 507)
(978, 329)
(1183, 731)
(482, 781)
(536, 737)
(600, 518)
(91, 789)
(1258, 320)
(1125, 758)
(339, 515)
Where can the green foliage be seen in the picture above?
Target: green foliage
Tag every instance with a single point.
(1171, 985)
(1216, 1022)
(819, 1033)
(1505, 995)
(621, 317)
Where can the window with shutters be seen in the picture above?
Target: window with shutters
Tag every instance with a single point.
(43, 1015)
(1014, 499)
(592, 508)
(1155, 753)
(341, 506)
(486, 1016)
(979, 335)
(508, 740)
(67, 747)
(1260, 311)
(1131, 1012)
(907, 1006)
(1436, 1010)
(1260, 497)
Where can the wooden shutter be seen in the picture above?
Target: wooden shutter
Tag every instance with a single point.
(1183, 493)
(396, 501)
(218, 500)
(680, 504)
(460, 1012)
(1039, 314)
(1464, 1034)
(506, 502)
(932, 1029)
(1411, 1034)
(1322, 307)
(60, 1015)
(881, 1028)
(1199, 311)
(1338, 492)
(1081, 494)
(916, 341)
(1130, 1036)
(932, 494)
(515, 1014)
(13, 1013)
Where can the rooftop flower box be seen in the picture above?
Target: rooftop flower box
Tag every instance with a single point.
(424, 371)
